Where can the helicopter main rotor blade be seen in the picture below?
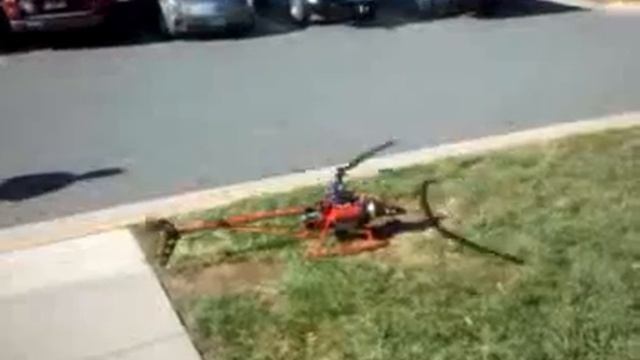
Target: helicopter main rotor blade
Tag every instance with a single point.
(367, 154)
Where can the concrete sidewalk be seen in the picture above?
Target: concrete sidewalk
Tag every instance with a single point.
(87, 298)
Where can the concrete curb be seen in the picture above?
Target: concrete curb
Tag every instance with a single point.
(30, 235)
(622, 7)
(618, 6)
(584, 4)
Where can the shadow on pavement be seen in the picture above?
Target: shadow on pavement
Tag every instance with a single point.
(25, 187)
(532, 8)
(396, 13)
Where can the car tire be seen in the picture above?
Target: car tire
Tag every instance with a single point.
(366, 12)
(5, 32)
(165, 19)
(488, 8)
(120, 22)
(165, 26)
(242, 30)
(436, 9)
(299, 12)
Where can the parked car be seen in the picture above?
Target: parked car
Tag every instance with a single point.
(4, 30)
(302, 11)
(194, 17)
(45, 15)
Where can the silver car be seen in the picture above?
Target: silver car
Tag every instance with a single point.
(181, 17)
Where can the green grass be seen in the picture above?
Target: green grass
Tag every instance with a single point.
(569, 209)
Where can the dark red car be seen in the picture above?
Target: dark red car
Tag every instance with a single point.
(30, 15)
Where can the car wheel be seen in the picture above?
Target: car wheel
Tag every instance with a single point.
(365, 12)
(488, 7)
(243, 29)
(120, 21)
(436, 9)
(299, 12)
(165, 24)
(5, 32)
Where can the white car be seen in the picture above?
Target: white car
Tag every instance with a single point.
(181, 17)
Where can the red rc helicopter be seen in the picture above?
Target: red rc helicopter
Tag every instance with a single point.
(346, 215)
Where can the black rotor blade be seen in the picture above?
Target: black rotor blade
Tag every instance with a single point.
(367, 154)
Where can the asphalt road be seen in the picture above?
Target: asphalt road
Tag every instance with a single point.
(185, 115)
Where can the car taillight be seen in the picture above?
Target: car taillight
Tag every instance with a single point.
(11, 9)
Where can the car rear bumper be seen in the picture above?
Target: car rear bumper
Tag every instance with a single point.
(221, 20)
(63, 21)
(337, 7)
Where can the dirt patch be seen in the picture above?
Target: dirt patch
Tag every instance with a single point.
(402, 251)
(224, 278)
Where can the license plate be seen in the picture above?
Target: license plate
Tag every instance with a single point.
(202, 9)
(217, 22)
(55, 5)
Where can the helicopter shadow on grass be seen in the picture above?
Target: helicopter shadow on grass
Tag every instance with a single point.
(394, 227)
(429, 219)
